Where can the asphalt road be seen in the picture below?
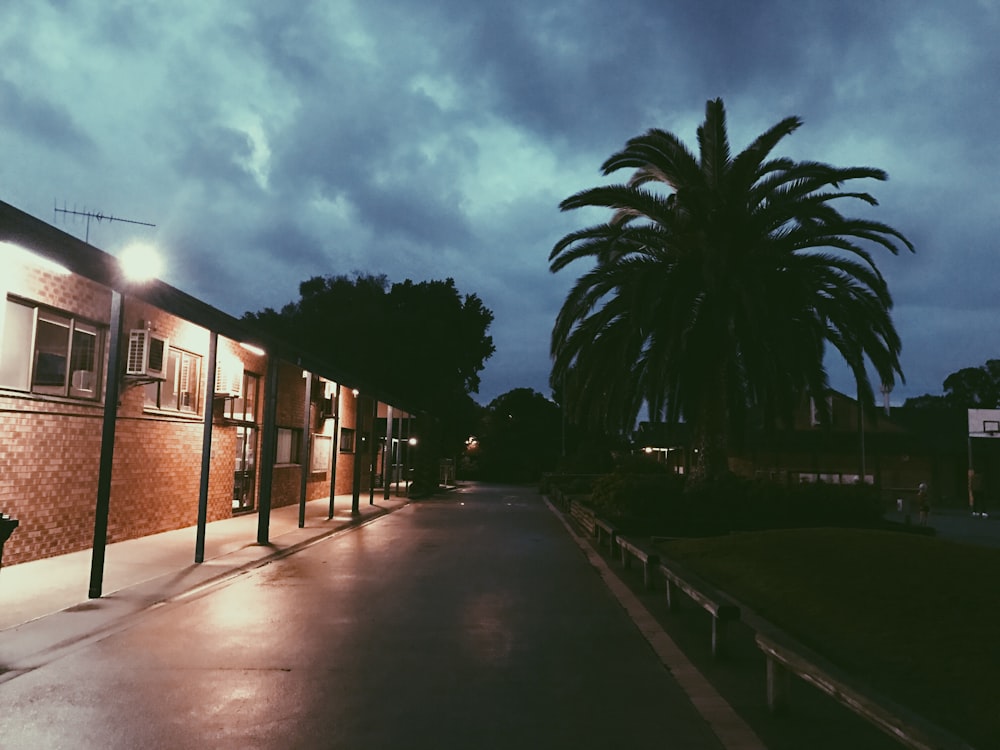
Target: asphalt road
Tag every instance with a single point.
(472, 621)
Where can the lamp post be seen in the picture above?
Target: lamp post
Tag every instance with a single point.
(411, 464)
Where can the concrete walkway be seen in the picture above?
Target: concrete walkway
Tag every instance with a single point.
(959, 526)
(143, 571)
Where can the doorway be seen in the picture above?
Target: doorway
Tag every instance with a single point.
(244, 485)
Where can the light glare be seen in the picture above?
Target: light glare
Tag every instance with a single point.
(140, 262)
(8, 249)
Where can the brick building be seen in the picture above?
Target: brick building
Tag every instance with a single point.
(140, 404)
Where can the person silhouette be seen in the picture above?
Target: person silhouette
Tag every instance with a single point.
(923, 503)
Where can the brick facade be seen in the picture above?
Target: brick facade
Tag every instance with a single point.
(50, 445)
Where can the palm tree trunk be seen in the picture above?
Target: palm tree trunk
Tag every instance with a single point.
(711, 440)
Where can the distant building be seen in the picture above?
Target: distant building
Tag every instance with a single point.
(894, 452)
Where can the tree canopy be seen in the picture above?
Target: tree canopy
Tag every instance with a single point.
(967, 388)
(716, 286)
(424, 343)
(520, 436)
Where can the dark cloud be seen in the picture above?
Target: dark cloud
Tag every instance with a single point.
(33, 118)
(272, 142)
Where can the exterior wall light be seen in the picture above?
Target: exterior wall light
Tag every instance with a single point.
(10, 251)
(253, 349)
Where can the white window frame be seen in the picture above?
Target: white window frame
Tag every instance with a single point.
(182, 389)
(20, 360)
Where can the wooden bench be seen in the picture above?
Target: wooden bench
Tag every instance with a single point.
(629, 550)
(722, 609)
(786, 657)
(583, 516)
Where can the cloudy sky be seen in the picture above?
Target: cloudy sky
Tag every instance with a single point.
(274, 141)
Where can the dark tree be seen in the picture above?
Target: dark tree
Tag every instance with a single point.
(423, 343)
(716, 286)
(520, 437)
(968, 388)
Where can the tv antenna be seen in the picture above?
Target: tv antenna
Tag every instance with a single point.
(97, 216)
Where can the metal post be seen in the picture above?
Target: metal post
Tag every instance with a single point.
(372, 453)
(409, 437)
(304, 452)
(861, 433)
(335, 450)
(103, 504)
(206, 448)
(387, 454)
(356, 477)
(267, 450)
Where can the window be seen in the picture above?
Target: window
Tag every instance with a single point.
(289, 446)
(321, 451)
(814, 414)
(346, 440)
(49, 352)
(181, 389)
(243, 408)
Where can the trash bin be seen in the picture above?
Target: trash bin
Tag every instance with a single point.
(7, 526)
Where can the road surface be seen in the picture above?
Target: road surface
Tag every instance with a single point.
(469, 621)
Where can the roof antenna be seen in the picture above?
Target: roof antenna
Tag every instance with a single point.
(96, 215)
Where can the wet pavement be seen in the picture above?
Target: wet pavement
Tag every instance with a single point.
(472, 620)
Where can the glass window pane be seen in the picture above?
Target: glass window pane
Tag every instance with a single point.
(284, 451)
(17, 325)
(250, 394)
(84, 360)
(51, 354)
(189, 381)
(152, 395)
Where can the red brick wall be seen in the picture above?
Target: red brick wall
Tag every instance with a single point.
(72, 293)
(289, 413)
(48, 476)
(50, 447)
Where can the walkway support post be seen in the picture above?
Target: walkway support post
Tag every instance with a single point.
(267, 450)
(304, 451)
(372, 452)
(387, 455)
(335, 450)
(103, 504)
(206, 449)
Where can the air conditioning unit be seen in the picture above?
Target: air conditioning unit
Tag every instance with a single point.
(229, 378)
(147, 354)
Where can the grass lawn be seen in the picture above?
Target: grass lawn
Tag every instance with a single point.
(915, 617)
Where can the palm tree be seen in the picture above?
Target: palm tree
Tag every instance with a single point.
(716, 286)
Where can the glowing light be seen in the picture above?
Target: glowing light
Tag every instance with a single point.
(140, 262)
(8, 249)
(412, 441)
(253, 349)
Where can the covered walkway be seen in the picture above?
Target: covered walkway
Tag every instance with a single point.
(142, 571)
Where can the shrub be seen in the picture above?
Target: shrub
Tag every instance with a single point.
(639, 495)
(644, 496)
